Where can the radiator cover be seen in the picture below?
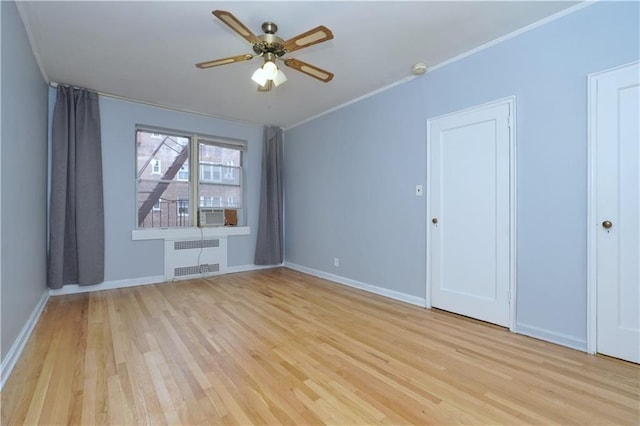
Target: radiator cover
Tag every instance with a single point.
(192, 258)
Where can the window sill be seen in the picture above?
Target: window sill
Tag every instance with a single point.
(179, 233)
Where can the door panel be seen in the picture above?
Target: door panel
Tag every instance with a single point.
(617, 100)
(469, 201)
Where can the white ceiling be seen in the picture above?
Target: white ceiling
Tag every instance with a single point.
(146, 50)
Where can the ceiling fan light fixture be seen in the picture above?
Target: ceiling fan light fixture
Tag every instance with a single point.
(270, 70)
(259, 77)
(280, 78)
(268, 75)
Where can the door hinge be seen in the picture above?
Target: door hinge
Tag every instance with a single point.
(509, 121)
(509, 296)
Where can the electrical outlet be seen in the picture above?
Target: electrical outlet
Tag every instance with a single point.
(336, 262)
(419, 190)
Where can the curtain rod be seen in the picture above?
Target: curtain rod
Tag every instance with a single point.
(55, 84)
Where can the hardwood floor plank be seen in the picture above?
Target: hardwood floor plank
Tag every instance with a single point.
(281, 347)
(41, 390)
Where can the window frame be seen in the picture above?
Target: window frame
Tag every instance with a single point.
(193, 164)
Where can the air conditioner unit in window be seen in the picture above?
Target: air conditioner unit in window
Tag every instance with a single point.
(210, 217)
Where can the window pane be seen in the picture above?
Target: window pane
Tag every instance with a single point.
(172, 208)
(220, 196)
(211, 154)
(155, 155)
(162, 180)
(220, 176)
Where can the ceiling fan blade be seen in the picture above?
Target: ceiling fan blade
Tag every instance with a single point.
(309, 38)
(224, 61)
(236, 25)
(308, 69)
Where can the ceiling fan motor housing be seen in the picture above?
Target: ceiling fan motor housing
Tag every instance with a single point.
(269, 43)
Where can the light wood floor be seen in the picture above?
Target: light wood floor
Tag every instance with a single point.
(280, 347)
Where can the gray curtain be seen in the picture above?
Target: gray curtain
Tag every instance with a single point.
(269, 246)
(76, 213)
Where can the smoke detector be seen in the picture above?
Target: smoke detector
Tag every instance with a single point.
(419, 68)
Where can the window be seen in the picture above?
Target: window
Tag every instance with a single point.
(183, 206)
(210, 201)
(156, 169)
(228, 171)
(210, 173)
(217, 183)
(183, 173)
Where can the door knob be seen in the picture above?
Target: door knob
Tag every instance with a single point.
(434, 220)
(607, 224)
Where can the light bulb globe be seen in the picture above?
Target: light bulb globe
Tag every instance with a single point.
(279, 78)
(259, 77)
(270, 69)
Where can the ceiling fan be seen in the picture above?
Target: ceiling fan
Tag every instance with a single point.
(272, 48)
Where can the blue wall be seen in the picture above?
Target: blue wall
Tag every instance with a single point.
(126, 259)
(350, 175)
(23, 178)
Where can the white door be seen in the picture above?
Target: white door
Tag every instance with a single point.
(468, 225)
(615, 98)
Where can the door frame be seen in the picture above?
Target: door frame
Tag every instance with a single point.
(511, 102)
(592, 236)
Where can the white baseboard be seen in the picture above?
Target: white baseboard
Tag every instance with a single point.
(246, 268)
(392, 294)
(552, 336)
(133, 282)
(10, 360)
(107, 285)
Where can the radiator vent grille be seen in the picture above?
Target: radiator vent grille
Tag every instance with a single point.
(195, 244)
(192, 257)
(196, 269)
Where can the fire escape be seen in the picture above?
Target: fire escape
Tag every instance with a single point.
(156, 193)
